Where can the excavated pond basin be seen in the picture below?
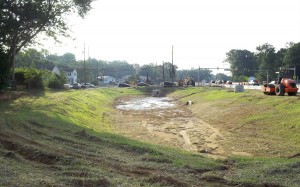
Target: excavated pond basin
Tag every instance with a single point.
(148, 103)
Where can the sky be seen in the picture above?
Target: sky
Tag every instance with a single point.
(200, 31)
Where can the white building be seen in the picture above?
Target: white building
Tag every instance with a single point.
(71, 73)
(107, 79)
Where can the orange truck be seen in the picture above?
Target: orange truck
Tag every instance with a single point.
(284, 85)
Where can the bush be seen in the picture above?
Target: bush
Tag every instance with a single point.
(29, 78)
(57, 81)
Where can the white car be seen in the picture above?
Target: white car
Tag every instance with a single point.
(254, 82)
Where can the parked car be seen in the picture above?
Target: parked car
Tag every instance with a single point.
(168, 84)
(142, 84)
(87, 85)
(123, 85)
(67, 86)
(254, 82)
(76, 86)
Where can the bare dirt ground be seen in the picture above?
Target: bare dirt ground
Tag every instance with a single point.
(174, 126)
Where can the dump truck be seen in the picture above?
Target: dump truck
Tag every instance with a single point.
(282, 86)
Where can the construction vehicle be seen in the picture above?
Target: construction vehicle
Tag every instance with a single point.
(188, 81)
(282, 86)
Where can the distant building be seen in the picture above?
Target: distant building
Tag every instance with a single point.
(71, 73)
(107, 79)
(251, 79)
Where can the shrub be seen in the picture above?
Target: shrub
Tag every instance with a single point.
(57, 81)
(29, 78)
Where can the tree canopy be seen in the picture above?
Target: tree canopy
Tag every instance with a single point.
(264, 63)
(22, 20)
(242, 63)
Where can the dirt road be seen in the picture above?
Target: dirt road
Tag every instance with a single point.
(172, 126)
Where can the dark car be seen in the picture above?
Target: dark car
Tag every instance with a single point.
(87, 85)
(142, 84)
(168, 84)
(123, 85)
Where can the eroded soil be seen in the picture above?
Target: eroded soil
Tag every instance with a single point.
(174, 126)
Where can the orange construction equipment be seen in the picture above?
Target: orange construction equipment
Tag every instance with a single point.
(284, 85)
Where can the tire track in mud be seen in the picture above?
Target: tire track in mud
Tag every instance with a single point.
(174, 126)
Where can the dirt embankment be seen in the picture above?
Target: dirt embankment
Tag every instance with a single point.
(175, 126)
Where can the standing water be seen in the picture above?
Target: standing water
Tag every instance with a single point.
(148, 103)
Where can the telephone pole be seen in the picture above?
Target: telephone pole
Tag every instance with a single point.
(84, 63)
(172, 71)
(163, 68)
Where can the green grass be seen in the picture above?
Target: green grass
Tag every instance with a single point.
(265, 171)
(65, 139)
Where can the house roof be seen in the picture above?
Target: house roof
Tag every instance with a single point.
(50, 67)
(66, 68)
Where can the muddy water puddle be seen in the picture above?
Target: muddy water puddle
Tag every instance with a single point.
(148, 103)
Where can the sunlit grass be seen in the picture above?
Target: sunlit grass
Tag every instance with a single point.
(75, 126)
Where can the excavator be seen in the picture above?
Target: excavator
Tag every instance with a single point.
(282, 86)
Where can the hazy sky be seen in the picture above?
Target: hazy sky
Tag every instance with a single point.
(201, 31)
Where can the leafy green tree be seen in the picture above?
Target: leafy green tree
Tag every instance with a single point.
(266, 59)
(151, 71)
(30, 58)
(119, 69)
(204, 74)
(242, 63)
(222, 76)
(68, 58)
(21, 21)
(292, 57)
(54, 58)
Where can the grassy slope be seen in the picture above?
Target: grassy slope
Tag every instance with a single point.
(47, 139)
(65, 139)
(268, 127)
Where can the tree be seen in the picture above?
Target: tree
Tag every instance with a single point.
(222, 76)
(202, 74)
(30, 58)
(242, 63)
(266, 59)
(292, 57)
(68, 58)
(148, 69)
(22, 20)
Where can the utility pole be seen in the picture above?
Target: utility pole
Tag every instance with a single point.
(97, 73)
(84, 63)
(155, 74)
(89, 77)
(163, 66)
(172, 71)
(199, 76)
